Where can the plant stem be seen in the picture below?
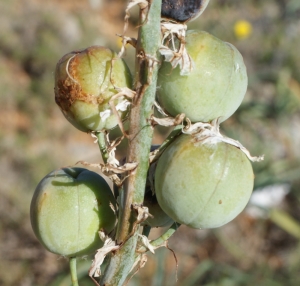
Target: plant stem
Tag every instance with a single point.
(102, 145)
(160, 241)
(73, 271)
(140, 130)
(164, 237)
(140, 139)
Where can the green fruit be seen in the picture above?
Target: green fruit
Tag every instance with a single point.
(68, 209)
(84, 84)
(160, 218)
(215, 87)
(203, 185)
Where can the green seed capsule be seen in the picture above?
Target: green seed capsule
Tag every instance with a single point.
(69, 208)
(84, 85)
(203, 185)
(215, 87)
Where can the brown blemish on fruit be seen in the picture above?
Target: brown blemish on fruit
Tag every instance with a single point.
(68, 90)
(220, 202)
(41, 202)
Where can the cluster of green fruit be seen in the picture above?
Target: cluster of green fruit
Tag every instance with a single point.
(199, 184)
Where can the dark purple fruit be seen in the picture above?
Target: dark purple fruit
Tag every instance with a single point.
(182, 10)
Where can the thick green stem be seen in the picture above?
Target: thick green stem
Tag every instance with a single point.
(73, 271)
(140, 139)
(141, 131)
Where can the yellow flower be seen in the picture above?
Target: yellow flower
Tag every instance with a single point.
(242, 29)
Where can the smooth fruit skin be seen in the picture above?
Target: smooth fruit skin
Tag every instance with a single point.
(84, 84)
(215, 87)
(68, 209)
(203, 185)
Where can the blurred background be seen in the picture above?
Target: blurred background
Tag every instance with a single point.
(260, 247)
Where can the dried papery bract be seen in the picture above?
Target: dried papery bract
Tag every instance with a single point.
(209, 133)
(176, 56)
(175, 15)
(127, 40)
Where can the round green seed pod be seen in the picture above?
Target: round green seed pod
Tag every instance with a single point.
(203, 185)
(84, 85)
(215, 87)
(68, 209)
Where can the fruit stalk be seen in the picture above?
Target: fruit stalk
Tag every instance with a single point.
(73, 271)
(102, 146)
(162, 240)
(140, 138)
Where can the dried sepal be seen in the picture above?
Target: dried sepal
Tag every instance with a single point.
(143, 213)
(176, 56)
(147, 243)
(112, 171)
(109, 246)
(168, 121)
(143, 4)
(209, 133)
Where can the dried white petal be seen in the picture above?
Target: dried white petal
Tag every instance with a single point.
(125, 91)
(113, 208)
(182, 59)
(176, 57)
(105, 114)
(208, 133)
(109, 245)
(123, 105)
(112, 158)
(167, 53)
(143, 213)
(159, 108)
(146, 243)
(102, 235)
(169, 121)
(169, 28)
